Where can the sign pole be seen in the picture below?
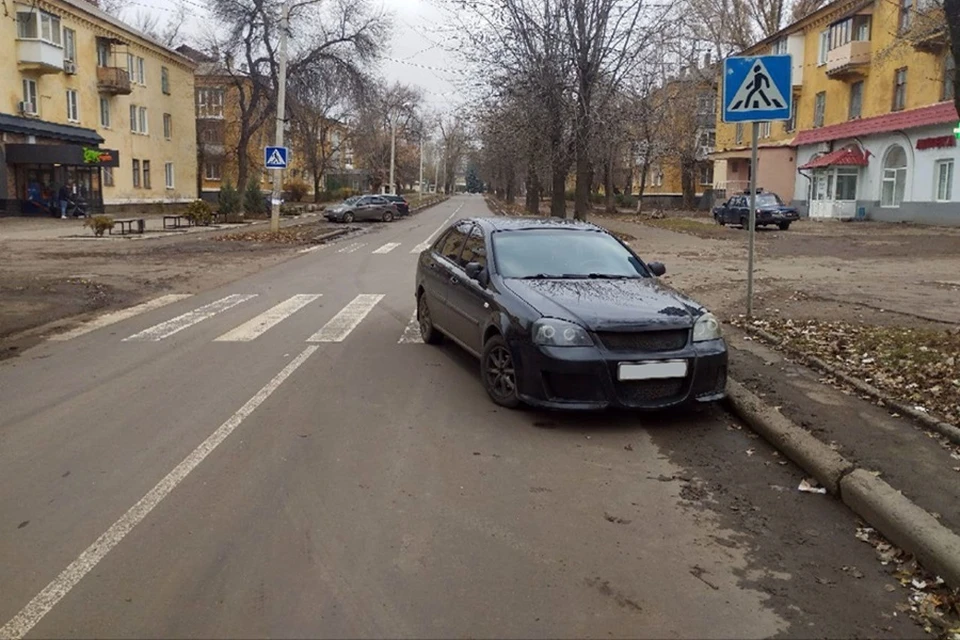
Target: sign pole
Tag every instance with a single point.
(752, 219)
(281, 113)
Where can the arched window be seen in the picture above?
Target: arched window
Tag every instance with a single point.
(894, 177)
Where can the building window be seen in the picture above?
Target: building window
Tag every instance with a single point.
(765, 129)
(165, 80)
(146, 174)
(949, 77)
(167, 126)
(655, 176)
(30, 96)
(103, 53)
(894, 177)
(35, 25)
(105, 113)
(136, 173)
(707, 139)
(210, 102)
(133, 118)
(846, 183)
(906, 14)
(779, 47)
(707, 104)
(840, 33)
(856, 100)
(791, 124)
(73, 107)
(824, 47)
(900, 89)
(739, 134)
(168, 175)
(138, 120)
(69, 45)
(819, 109)
(136, 67)
(706, 174)
(107, 176)
(211, 170)
(943, 171)
(861, 28)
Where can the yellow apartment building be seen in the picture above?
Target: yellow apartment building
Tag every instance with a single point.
(872, 131)
(90, 102)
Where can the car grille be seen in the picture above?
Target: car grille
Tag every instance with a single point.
(577, 387)
(649, 341)
(647, 392)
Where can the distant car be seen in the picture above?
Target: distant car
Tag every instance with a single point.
(770, 210)
(362, 208)
(564, 315)
(403, 207)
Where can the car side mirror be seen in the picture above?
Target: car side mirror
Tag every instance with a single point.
(476, 271)
(657, 268)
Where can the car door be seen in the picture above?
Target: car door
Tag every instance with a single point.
(467, 300)
(732, 213)
(365, 208)
(439, 274)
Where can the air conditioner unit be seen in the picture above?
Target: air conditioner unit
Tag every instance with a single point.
(69, 67)
(27, 107)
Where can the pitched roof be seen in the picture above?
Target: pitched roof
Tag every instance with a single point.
(846, 157)
(923, 117)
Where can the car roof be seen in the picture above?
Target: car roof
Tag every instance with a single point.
(526, 223)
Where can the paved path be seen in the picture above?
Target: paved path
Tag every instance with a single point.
(283, 457)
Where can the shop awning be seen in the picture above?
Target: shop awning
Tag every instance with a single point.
(51, 130)
(849, 157)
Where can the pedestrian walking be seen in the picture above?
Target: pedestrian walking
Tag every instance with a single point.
(64, 197)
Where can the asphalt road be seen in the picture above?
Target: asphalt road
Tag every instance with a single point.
(281, 458)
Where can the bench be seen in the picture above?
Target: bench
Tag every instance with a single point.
(127, 225)
(175, 222)
(218, 217)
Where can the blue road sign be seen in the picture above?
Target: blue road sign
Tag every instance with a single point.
(757, 89)
(276, 157)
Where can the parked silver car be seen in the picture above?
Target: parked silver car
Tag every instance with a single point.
(363, 208)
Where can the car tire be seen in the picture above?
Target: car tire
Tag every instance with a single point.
(498, 373)
(719, 220)
(348, 217)
(784, 226)
(387, 216)
(428, 332)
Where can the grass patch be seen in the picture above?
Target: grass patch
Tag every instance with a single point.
(306, 234)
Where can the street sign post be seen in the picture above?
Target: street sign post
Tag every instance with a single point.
(756, 89)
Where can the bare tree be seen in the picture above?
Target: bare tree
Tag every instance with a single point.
(167, 32)
(382, 110)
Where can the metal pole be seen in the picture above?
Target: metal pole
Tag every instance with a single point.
(436, 168)
(752, 219)
(421, 167)
(393, 152)
(281, 112)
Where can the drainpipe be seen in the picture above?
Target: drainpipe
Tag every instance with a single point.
(809, 189)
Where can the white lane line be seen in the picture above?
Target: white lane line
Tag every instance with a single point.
(112, 318)
(423, 246)
(313, 248)
(175, 325)
(252, 329)
(340, 325)
(47, 599)
(411, 334)
(353, 246)
(387, 248)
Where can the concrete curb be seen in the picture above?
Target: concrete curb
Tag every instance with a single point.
(887, 510)
(951, 432)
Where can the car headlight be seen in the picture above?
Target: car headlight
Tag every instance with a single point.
(551, 332)
(706, 328)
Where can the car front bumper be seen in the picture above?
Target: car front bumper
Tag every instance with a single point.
(586, 377)
(776, 217)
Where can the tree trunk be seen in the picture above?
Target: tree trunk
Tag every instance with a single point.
(687, 185)
(610, 202)
(316, 186)
(511, 186)
(951, 9)
(533, 188)
(558, 194)
(243, 159)
(643, 184)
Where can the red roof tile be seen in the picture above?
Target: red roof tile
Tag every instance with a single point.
(849, 157)
(922, 117)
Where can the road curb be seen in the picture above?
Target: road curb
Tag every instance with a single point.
(332, 235)
(949, 431)
(891, 513)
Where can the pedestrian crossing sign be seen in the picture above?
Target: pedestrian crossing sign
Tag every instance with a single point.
(757, 89)
(275, 157)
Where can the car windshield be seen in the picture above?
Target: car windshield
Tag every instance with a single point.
(768, 200)
(352, 200)
(563, 253)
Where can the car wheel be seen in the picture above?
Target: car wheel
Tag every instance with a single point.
(719, 219)
(498, 373)
(387, 216)
(428, 332)
(348, 217)
(784, 226)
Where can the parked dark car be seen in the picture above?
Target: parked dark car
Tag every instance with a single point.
(362, 208)
(403, 207)
(564, 315)
(770, 210)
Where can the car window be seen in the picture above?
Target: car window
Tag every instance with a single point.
(352, 200)
(561, 253)
(474, 250)
(768, 199)
(454, 243)
(378, 200)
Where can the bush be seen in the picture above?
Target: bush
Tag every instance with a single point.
(99, 224)
(296, 189)
(626, 201)
(199, 212)
(229, 200)
(342, 193)
(253, 201)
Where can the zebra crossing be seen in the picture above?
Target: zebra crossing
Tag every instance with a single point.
(249, 329)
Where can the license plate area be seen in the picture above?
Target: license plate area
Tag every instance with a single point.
(652, 370)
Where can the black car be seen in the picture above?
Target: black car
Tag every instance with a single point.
(403, 207)
(564, 315)
(770, 210)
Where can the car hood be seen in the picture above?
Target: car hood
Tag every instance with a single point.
(601, 305)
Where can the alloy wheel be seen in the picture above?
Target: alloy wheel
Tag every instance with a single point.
(501, 375)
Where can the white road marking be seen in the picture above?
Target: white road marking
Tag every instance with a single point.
(423, 246)
(353, 246)
(175, 325)
(112, 318)
(387, 248)
(340, 325)
(252, 329)
(47, 599)
(411, 334)
(313, 248)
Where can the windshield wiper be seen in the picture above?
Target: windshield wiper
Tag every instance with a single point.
(541, 276)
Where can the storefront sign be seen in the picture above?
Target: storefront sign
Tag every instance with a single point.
(61, 154)
(940, 142)
(102, 157)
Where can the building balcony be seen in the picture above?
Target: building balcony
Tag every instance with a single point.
(212, 149)
(113, 80)
(930, 40)
(851, 60)
(39, 56)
